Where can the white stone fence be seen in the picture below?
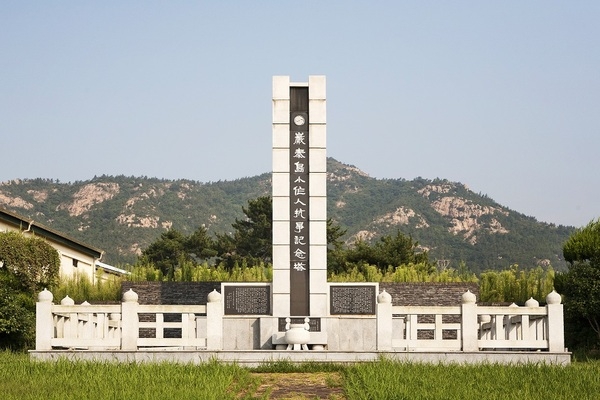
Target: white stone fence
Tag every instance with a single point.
(464, 328)
(117, 327)
(469, 327)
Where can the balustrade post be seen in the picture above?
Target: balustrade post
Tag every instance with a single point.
(384, 321)
(469, 322)
(71, 321)
(556, 329)
(527, 323)
(129, 321)
(214, 321)
(44, 322)
(87, 325)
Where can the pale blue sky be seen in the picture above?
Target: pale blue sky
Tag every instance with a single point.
(501, 96)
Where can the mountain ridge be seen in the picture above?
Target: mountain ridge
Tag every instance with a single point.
(123, 215)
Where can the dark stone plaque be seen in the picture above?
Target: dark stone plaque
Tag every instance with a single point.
(314, 323)
(242, 300)
(355, 299)
(299, 202)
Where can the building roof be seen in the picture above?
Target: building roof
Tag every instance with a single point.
(111, 269)
(41, 230)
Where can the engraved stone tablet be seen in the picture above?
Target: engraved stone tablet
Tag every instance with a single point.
(352, 299)
(243, 300)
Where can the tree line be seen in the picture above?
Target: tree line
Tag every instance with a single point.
(250, 244)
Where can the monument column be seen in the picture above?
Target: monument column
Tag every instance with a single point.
(299, 198)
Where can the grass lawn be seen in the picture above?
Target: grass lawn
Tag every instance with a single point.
(21, 378)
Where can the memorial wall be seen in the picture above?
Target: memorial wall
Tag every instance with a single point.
(405, 294)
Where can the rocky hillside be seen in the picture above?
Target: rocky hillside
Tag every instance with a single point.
(122, 215)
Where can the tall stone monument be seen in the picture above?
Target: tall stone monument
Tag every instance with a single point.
(299, 198)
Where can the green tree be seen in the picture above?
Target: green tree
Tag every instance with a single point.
(580, 285)
(336, 255)
(583, 244)
(199, 245)
(167, 252)
(17, 315)
(173, 250)
(252, 237)
(360, 253)
(389, 251)
(33, 261)
(226, 250)
(399, 250)
(27, 264)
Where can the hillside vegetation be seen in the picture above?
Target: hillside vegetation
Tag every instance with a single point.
(123, 215)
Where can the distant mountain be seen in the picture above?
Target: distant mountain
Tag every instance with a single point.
(123, 215)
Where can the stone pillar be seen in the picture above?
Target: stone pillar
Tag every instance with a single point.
(469, 326)
(281, 196)
(44, 324)
(384, 321)
(318, 194)
(214, 321)
(299, 233)
(130, 322)
(556, 329)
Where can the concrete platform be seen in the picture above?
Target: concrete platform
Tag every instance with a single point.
(257, 357)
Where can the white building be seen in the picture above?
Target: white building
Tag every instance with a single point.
(76, 257)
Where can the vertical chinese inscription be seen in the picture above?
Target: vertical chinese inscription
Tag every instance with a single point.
(299, 202)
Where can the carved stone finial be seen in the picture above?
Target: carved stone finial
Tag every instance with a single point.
(45, 296)
(532, 303)
(214, 296)
(469, 298)
(130, 296)
(67, 301)
(553, 298)
(384, 297)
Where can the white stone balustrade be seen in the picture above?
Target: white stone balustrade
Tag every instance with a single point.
(117, 327)
(465, 328)
(471, 328)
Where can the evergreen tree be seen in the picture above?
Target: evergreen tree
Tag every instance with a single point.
(252, 237)
(336, 255)
(580, 285)
(167, 251)
(583, 244)
(388, 251)
(199, 245)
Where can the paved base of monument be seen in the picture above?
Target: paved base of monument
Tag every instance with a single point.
(257, 357)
